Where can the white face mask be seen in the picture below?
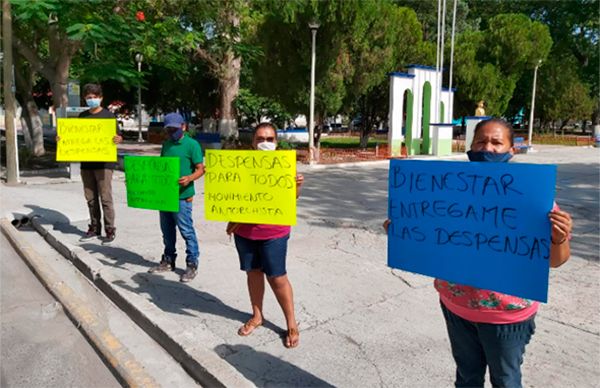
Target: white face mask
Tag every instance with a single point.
(266, 146)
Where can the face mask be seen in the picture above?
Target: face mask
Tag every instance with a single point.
(93, 102)
(266, 146)
(176, 135)
(485, 156)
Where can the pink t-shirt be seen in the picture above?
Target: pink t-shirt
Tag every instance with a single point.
(262, 232)
(484, 306)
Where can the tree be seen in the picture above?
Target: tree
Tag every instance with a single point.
(562, 96)
(356, 48)
(427, 10)
(49, 35)
(385, 45)
(33, 131)
(63, 28)
(215, 32)
(253, 108)
(574, 28)
(489, 63)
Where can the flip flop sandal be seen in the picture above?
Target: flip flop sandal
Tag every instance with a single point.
(248, 328)
(293, 338)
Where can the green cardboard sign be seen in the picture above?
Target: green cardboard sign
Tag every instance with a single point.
(151, 182)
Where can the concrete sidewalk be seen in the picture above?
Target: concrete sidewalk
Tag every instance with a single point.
(361, 323)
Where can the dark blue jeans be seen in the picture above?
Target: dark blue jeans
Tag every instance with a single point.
(476, 346)
(182, 219)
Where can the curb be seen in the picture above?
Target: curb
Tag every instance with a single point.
(112, 350)
(204, 365)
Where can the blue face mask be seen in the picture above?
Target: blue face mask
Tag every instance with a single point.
(93, 102)
(176, 135)
(485, 156)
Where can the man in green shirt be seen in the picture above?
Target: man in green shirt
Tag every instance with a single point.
(191, 168)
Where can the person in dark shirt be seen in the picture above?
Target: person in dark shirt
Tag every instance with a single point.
(97, 176)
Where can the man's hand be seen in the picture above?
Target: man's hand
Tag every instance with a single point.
(117, 139)
(185, 180)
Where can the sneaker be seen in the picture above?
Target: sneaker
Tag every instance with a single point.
(91, 234)
(110, 237)
(165, 265)
(189, 274)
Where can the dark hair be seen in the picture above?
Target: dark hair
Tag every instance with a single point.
(495, 120)
(265, 125)
(94, 89)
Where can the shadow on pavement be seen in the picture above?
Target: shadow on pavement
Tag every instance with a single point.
(55, 218)
(264, 369)
(179, 298)
(119, 256)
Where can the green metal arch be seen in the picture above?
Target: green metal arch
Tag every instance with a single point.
(426, 119)
(408, 135)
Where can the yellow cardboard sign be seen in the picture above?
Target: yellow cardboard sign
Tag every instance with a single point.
(257, 187)
(86, 140)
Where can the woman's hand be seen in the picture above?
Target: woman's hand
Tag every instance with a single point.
(299, 182)
(231, 228)
(562, 226)
(386, 224)
(117, 139)
(560, 249)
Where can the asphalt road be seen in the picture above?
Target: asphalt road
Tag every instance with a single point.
(40, 346)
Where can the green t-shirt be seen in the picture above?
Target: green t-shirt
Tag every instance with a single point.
(190, 154)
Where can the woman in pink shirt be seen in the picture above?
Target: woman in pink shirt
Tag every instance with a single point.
(262, 252)
(488, 328)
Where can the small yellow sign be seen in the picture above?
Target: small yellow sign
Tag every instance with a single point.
(86, 140)
(257, 187)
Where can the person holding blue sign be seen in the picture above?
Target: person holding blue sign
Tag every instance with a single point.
(191, 168)
(488, 328)
(262, 252)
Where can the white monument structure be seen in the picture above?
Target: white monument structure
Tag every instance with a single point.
(414, 120)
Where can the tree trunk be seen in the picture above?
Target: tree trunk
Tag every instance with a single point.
(30, 117)
(229, 87)
(563, 124)
(33, 127)
(60, 81)
(596, 120)
(319, 130)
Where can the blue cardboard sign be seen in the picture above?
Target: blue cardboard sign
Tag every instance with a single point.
(479, 224)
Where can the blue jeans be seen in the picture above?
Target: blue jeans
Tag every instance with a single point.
(477, 345)
(182, 220)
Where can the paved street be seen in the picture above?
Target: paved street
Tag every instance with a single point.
(361, 323)
(40, 346)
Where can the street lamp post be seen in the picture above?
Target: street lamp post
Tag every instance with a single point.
(530, 135)
(139, 58)
(314, 26)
